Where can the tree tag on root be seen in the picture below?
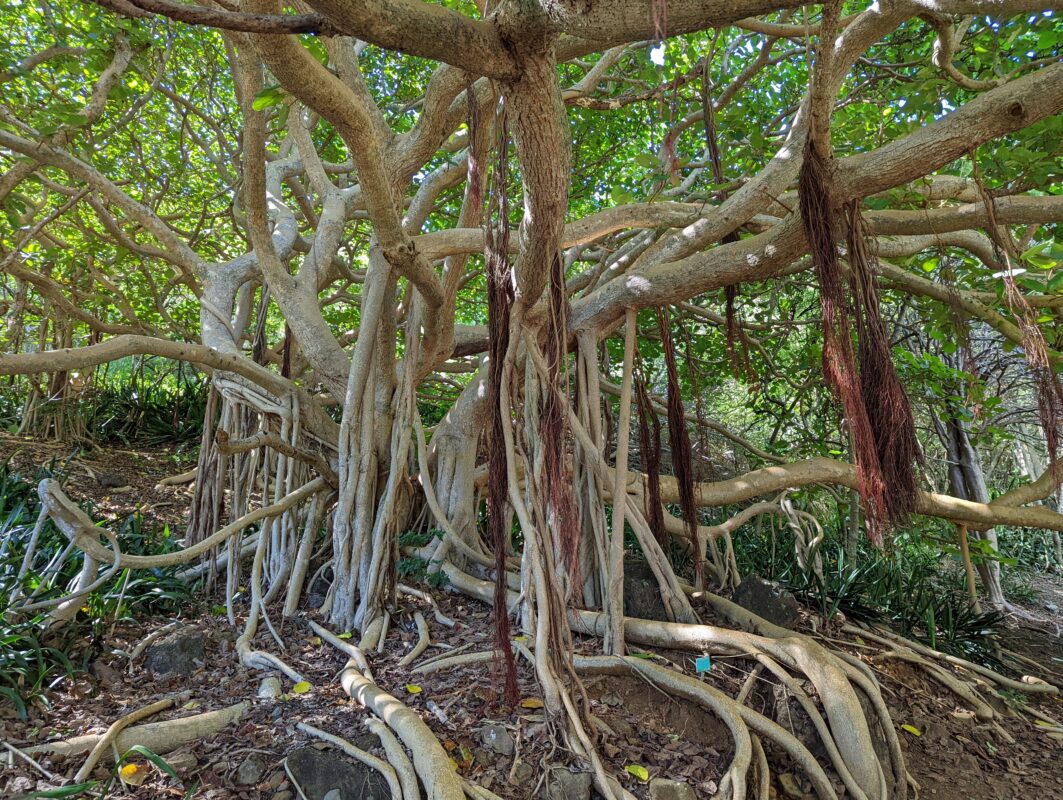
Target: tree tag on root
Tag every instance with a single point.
(702, 664)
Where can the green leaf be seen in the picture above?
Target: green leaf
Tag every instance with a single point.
(270, 96)
(66, 791)
(638, 771)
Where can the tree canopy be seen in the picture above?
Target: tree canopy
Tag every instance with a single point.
(534, 273)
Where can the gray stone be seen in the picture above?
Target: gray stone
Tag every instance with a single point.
(561, 784)
(768, 600)
(270, 688)
(315, 596)
(250, 771)
(320, 774)
(107, 676)
(523, 774)
(642, 595)
(1053, 607)
(180, 653)
(664, 789)
(497, 739)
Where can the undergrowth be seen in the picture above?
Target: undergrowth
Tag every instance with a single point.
(127, 401)
(34, 658)
(914, 586)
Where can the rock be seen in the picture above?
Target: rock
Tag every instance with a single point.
(524, 773)
(497, 739)
(322, 773)
(790, 786)
(107, 676)
(180, 653)
(250, 772)
(111, 480)
(182, 761)
(561, 784)
(270, 688)
(664, 789)
(768, 600)
(315, 596)
(285, 795)
(642, 595)
(1053, 607)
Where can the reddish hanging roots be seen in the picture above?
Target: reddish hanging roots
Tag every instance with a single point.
(839, 363)
(650, 459)
(1049, 387)
(553, 428)
(888, 410)
(499, 275)
(679, 441)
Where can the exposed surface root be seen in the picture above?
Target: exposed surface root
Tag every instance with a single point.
(430, 760)
(383, 767)
(159, 737)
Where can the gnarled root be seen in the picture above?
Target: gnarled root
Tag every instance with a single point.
(159, 737)
(836, 680)
(430, 760)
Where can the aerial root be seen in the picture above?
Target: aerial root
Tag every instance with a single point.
(425, 597)
(743, 723)
(397, 757)
(179, 479)
(108, 738)
(836, 682)
(890, 639)
(159, 737)
(430, 761)
(422, 641)
(763, 771)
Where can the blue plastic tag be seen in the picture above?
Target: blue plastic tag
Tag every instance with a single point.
(703, 664)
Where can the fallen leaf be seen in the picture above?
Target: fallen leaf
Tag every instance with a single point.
(413, 688)
(301, 688)
(315, 641)
(912, 730)
(531, 702)
(346, 635)
(134, 774)
(638, 771)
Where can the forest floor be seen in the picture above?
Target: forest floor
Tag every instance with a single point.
(949, 753)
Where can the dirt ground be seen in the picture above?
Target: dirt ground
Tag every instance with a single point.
(951, 755)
